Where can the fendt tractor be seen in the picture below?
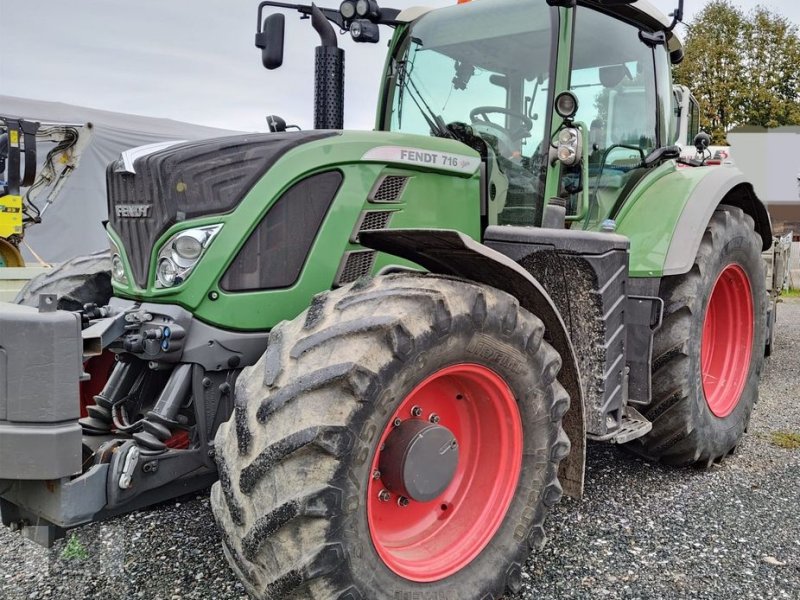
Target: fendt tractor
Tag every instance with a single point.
(389, 348)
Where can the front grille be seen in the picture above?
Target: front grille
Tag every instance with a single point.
(389, 189)
(354, 265)
(375, 219)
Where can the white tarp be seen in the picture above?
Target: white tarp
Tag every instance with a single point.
(72, 225)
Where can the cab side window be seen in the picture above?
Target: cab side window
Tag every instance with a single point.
(614, 77)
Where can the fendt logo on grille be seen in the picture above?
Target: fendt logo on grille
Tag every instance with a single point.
(136, 211)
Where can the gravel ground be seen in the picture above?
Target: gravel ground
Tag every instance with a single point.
(642, 531)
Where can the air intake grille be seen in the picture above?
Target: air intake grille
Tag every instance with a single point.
(354, 265)
(389, 189)
(376, 219)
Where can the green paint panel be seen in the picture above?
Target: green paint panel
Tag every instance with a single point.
(431, 199)
(651, 213)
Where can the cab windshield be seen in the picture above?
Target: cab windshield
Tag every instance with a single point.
(486, 66)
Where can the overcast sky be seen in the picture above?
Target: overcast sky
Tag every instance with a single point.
(192, 60)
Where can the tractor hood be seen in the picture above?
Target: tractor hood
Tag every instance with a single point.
(150, 191)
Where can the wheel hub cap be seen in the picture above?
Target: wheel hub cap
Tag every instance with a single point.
(444, 472)
(419, 460)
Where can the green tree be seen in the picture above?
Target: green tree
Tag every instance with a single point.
(771, 50)
(744, 69)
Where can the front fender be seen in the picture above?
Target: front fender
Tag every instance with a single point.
(449, 252)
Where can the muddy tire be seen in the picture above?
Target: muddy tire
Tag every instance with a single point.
(78, 281)
(304, 510)
(707, 356)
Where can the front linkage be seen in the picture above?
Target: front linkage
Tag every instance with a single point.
(59, 467)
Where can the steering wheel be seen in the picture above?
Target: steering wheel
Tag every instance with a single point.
(506, 137)
(480, 116)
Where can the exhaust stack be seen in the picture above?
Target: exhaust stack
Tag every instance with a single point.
(328, 75)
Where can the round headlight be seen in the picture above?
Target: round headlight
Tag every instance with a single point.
(568, 136)
(167, 272)
(117, 268)
(187, 247)
(566, 155)
(348, 9)
(566, 105)
(362, 8)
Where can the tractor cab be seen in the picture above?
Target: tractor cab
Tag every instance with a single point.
(493, 75)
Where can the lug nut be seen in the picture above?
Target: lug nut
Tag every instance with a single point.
(376, 474)
(384, 496)
(402, 502)
(397, 422)
(434, 418)
(416, 411)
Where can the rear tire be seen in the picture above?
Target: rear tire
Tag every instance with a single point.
(297, 494)
(705, 383)
(78, 281)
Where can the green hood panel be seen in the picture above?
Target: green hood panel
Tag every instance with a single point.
(442, 190)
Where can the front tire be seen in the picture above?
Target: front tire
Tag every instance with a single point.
(76, 282)
(311, 502)
(708, 353)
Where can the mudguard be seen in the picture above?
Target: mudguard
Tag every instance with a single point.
(722, 185)
(449, 252)
(666, 215)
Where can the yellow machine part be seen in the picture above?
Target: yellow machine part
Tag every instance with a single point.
(10, 216)
(9, 255)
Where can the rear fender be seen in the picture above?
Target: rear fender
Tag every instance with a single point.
(723, 185)
(667, 215)
(449, 252)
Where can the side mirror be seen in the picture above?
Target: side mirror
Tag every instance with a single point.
(612, 75)
(702, 141)
(270, 40)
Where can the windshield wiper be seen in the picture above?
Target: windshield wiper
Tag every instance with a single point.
(407, 85)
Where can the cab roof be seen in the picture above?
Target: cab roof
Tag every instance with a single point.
(640, 11)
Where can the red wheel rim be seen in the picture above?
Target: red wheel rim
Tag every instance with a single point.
(727, 342)
(428, 541)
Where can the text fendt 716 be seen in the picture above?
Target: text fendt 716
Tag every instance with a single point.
(389, 348)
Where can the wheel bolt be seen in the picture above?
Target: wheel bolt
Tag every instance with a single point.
(384, 496)
(434, 418)
(376, 474)
(416, 411)
(397, 422)
(402, 502)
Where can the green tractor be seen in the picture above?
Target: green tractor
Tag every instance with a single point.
(390, 348)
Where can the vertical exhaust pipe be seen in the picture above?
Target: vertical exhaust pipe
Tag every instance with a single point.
(328, 75)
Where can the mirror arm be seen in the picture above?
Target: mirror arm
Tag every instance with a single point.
(659, 154)
(388, 16)
(677, 16)
(304, 9)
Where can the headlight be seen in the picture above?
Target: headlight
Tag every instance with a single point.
(181, 253)
(118, 269)
(167, 272)
(118, 273)
(188, 247)
(568, 148)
